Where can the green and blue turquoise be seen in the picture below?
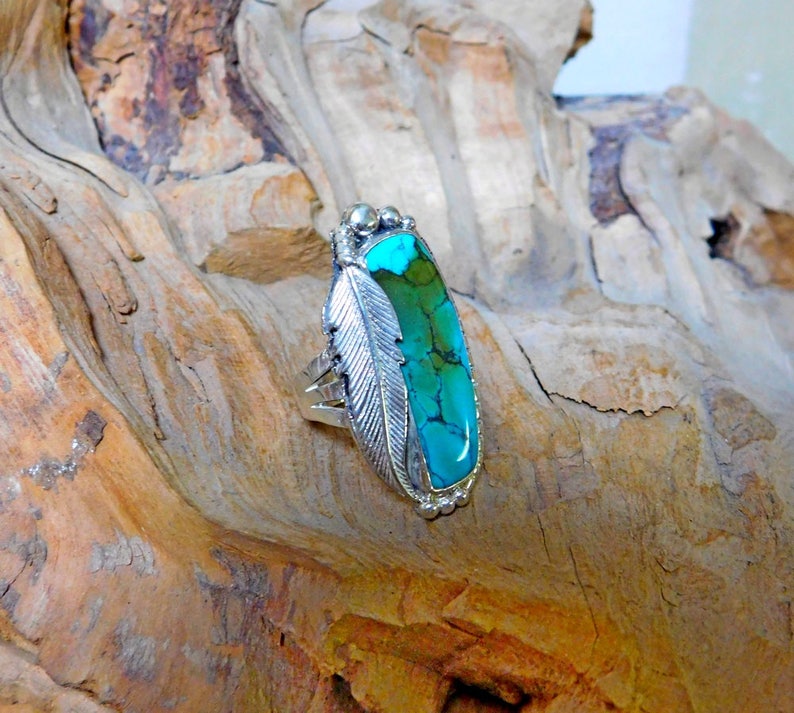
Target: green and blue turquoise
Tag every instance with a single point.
(437, 371)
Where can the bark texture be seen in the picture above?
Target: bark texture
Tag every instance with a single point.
(175, 537)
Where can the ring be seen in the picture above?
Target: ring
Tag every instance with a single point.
(396, 369)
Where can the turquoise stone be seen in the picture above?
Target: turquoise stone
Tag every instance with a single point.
(437, 371)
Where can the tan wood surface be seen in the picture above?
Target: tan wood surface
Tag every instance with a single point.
(173, 537)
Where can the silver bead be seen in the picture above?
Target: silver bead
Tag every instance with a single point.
(447, 506)
(408, 222)
(389, 217)
(427, 510)
(362, 218)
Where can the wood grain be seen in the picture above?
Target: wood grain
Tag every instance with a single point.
(176, 537)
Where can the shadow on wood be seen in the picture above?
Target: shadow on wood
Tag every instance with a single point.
(176, 537)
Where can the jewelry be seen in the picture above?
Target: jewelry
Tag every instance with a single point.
(396, 370)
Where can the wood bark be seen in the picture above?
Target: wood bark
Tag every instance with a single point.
(175, 537)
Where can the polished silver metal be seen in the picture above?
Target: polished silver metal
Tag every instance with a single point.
(356, 382)
(389, 217)
(361, 218)
(363, 333)
(321, 393)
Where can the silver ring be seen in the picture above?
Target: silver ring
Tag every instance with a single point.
(396, 370)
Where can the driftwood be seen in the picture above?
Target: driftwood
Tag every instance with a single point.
(174, 535)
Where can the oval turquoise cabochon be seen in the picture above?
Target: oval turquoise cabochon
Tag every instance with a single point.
(437, 371)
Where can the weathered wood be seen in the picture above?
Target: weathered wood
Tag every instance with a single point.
(175, 537)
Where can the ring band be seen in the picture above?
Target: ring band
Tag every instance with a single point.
(396, 370)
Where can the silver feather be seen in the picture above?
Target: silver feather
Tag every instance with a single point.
(363, 331)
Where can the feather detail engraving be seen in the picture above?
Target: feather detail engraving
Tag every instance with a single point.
(363, 330)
